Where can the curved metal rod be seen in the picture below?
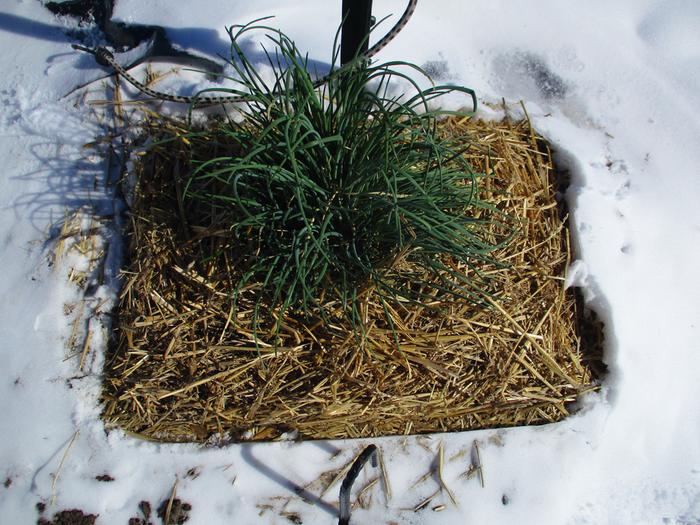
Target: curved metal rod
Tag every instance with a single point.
(370, 452)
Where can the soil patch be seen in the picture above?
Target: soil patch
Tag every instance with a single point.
(69, 517)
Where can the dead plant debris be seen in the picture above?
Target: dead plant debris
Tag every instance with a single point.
(185, 366)
(174, 511)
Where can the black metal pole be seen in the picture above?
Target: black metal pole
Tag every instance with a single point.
(354, 39)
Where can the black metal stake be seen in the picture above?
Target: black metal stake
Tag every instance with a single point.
(370, 452)
(354, 40)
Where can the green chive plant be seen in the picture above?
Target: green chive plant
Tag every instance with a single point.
(332, 183)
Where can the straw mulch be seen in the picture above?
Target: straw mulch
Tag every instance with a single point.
(184, 365)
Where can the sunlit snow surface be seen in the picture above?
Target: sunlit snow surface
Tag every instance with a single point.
(615, 86)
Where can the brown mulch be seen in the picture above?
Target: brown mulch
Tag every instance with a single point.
(185, 365)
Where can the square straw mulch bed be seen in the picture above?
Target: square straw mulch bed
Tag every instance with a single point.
(184, 366)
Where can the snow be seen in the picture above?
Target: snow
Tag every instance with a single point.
(614, 86)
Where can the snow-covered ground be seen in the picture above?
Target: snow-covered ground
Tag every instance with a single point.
(614, 85)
